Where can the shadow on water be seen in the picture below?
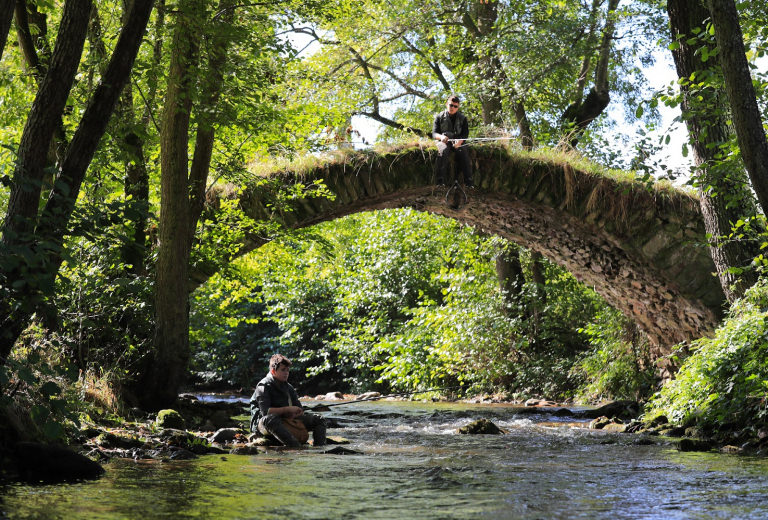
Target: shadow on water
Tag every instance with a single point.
(413, 465)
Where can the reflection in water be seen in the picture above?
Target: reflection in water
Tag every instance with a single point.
(414, 466)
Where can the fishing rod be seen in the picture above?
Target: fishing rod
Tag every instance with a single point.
(483, 139)
(322, 407)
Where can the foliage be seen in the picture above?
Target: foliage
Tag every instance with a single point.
(38, 379)
(104, 312)
(394, 300)
(619, 364)
(722, 385)
(399, 60)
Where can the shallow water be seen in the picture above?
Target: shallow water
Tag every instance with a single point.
(414, 465)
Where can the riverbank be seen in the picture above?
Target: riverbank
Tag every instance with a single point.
(409, 458)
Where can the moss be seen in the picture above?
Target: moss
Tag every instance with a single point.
(169, 419)
(481, 426)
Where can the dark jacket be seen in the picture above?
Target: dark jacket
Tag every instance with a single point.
(271, 393)
(458, 128)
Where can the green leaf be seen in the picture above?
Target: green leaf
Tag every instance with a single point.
(50, 388)
(53, 430)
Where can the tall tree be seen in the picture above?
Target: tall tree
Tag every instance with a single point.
(183, 188)
(21, 292)
(6, 18)
(724, 193)
(741, 94)
(32, 239)
(171, 352)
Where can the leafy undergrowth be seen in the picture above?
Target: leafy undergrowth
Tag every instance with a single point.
(722, 388)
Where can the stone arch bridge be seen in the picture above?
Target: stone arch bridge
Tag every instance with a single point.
(640, 249)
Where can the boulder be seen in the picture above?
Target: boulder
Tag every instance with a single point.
(480, 426)
(181, 454)
(694, 445)
(539, 402)
(112, 440)
(169, 419)
(599, 423)
(247, 450)
(51, 463)
(224, 435)
(615, 427)
(369, 395)
(620, 409)
(332, 396)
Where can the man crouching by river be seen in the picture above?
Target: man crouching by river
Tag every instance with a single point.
(276, 410)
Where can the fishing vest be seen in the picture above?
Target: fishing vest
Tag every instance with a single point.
(446, 127)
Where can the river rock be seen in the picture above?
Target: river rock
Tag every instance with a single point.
(50, 463)
(694, 445)
(615, 427)
(112, 440)
(169, 419)
(181, 454)
(621, 409)
(247, 450)
(539, 402)
(480, 426)
(599, 423)
(331, 396)
(340, 450)
(224, 435)
(369, 395)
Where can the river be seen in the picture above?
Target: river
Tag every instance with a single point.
(412, 465)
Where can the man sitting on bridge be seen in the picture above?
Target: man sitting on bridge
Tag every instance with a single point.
(276, 410)
(450, 129)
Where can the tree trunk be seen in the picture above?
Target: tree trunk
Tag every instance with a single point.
(540, 299)
(27, 40)
(490, 66)
(523, 125)
(164, 376)
(741, 94)
(579, 115)
(6, 18)
(708, 129)
(91, 128)
(17, 252)
(214, 78)
(509, 272)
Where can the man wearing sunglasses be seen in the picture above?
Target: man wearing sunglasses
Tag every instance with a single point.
(450, 129)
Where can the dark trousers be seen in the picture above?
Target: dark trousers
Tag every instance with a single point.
(444, 152)
(273, 425)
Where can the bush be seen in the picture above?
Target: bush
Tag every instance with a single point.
(723, 385)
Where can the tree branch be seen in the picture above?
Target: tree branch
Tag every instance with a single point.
(376, 116)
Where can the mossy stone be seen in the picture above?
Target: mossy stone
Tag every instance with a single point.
(481, 426)
(169, 419)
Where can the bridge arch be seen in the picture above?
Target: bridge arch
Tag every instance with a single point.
(640, 249)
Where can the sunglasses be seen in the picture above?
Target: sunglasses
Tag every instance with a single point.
(453, 105)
